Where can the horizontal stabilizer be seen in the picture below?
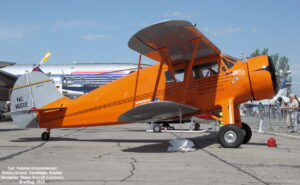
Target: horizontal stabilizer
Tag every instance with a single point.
(155, 111)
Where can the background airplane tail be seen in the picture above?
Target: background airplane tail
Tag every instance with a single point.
(30, 92)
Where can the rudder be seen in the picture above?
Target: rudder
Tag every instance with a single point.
(32, 90)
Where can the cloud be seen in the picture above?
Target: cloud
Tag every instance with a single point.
(10, 30)
(178, 14)
(222, 31)
(11, 33)
(97, 36)
(75, 24)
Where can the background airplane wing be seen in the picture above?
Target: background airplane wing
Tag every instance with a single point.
(155, 111)
(7, 81)
(177, 37)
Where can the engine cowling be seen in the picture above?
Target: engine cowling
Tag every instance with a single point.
(262, 77)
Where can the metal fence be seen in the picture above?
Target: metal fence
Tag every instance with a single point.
(273, 118)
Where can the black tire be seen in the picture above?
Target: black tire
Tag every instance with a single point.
(247, 133)
(45, 136)
(231, 136)
(157, 128)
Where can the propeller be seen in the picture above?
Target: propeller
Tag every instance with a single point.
(45, 58)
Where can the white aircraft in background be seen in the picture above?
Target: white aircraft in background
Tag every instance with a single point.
(71, 79)
(282, 93)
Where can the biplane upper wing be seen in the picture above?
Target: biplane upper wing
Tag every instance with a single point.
(155, 111)
(174, 35)
(7, 81)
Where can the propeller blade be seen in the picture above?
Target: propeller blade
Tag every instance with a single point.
(45, 58)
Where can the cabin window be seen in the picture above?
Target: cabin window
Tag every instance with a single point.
(179, 76)
(215, 69)
(206, 70)
(168, 75)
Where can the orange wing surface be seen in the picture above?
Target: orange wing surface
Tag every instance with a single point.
(177, 37)
(156, 111)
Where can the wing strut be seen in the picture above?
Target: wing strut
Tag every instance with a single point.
(158, 76)
(137, 80)
(187, 77)
(169, 62)
(164, 52)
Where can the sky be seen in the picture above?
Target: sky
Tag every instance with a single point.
(99, 30)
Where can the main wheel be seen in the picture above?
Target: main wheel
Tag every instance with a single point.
(230, 136)
(247, 133)
(45, 136)
(157, 128)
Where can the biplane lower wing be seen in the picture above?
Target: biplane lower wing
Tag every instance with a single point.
(155, 111)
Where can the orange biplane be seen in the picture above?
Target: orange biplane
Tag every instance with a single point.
(192, 77)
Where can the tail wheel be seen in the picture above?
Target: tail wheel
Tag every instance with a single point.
(247, 133)
(230, 136)
(45, 136)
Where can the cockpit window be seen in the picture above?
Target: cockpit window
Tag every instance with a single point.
(179, 76)
(206, 70)
(227, 63)
(223, 68)
(232, 59)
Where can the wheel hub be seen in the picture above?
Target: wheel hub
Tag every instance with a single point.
(230, 136)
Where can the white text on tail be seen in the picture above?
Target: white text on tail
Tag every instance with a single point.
(31, 91)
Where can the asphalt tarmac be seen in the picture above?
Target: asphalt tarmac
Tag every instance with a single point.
(126, 154)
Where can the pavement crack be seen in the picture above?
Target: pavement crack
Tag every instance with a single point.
(102, 155)
(21, 152)
(232, 165)
(73, 132)
(133, 161)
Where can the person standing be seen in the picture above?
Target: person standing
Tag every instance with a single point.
(260, 110)
(293, 113)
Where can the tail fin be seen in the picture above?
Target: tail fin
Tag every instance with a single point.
(284, 84)
(31, 91)
(283, 90)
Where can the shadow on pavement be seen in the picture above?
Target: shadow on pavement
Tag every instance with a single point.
(156, 146)
(257, 144)
(11, 129)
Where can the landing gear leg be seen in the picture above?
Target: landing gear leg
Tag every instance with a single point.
(46, 135)
(231, 134)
